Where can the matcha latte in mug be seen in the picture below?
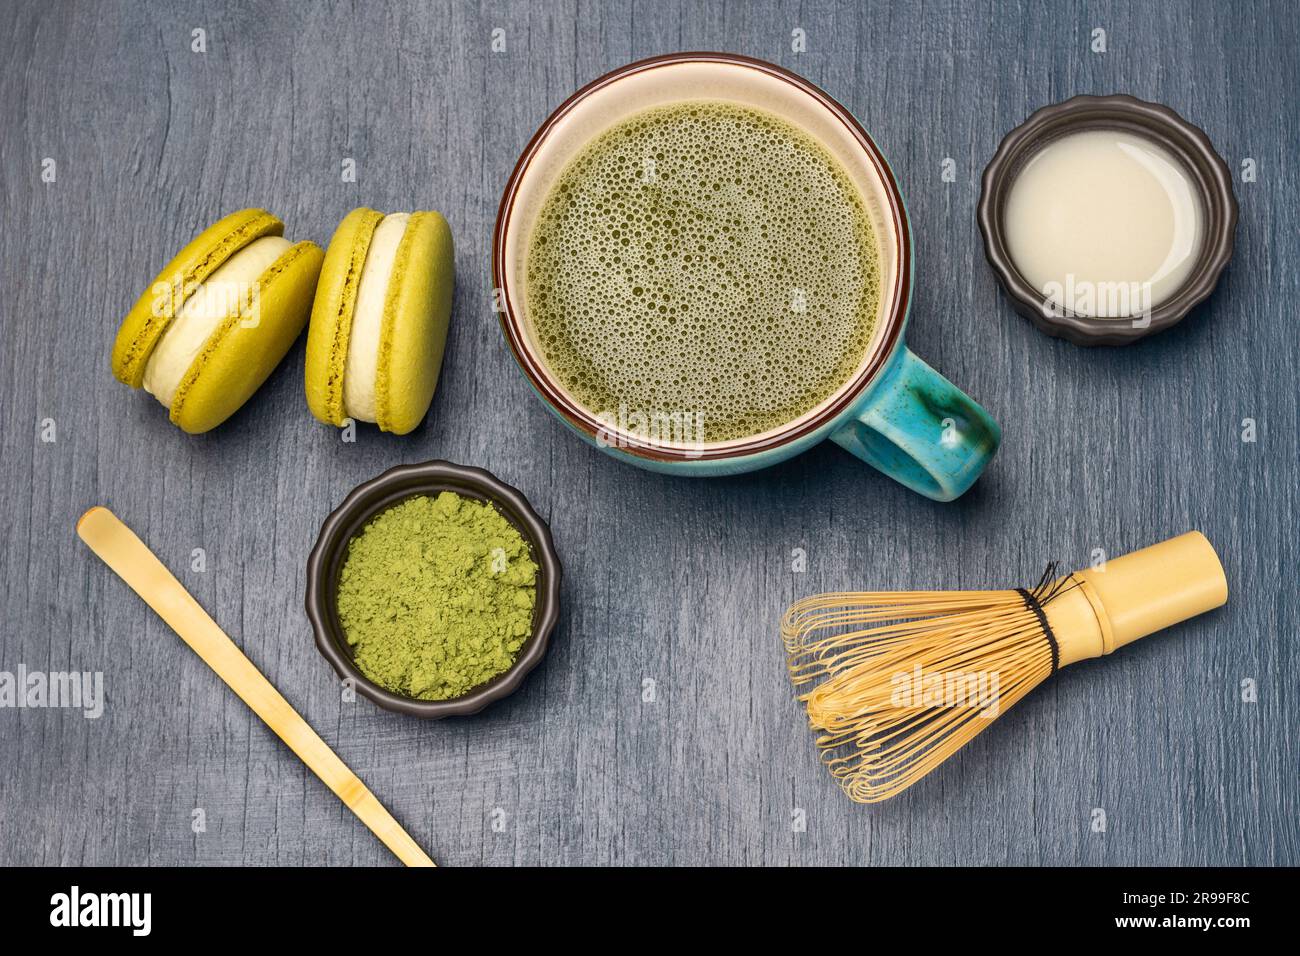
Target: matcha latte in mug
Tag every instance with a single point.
(704, 266)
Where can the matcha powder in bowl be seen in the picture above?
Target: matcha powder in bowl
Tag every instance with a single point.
(436, 596)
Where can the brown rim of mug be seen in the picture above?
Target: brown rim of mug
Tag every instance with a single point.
(382, 492)
(1186, 141)
(577, 416)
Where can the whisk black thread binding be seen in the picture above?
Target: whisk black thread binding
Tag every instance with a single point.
(1049, 587)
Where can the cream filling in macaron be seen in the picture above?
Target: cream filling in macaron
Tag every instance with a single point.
(204, 311)
(362, 366)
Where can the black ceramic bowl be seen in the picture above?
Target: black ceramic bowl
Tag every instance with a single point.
(390, 488)
(1186, 142)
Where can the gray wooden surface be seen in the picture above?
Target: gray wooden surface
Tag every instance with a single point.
(676, 581)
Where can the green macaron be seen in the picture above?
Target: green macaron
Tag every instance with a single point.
(379, 323)
(218, 319)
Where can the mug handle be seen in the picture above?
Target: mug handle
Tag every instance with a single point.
(921, 430)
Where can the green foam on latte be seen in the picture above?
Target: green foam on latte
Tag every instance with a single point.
(703, 259)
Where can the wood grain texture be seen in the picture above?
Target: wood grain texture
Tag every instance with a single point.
(676, 581)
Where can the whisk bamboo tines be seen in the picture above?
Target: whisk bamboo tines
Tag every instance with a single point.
(901, 680)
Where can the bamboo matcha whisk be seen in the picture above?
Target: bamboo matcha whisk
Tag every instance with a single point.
(903, 679)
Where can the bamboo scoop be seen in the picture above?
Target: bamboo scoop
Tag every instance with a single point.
(128, 556)
(903, 679)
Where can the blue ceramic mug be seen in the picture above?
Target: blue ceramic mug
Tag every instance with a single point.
(896, 413)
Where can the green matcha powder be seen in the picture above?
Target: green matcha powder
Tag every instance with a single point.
(436, 596)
